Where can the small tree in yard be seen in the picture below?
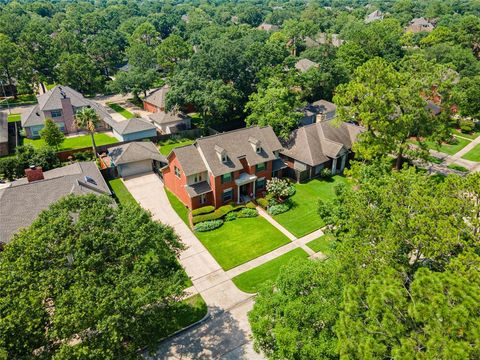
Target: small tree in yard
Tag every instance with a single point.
(51, 134)
(279, 188)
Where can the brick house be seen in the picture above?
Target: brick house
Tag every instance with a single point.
(155, 101)
(229, 167)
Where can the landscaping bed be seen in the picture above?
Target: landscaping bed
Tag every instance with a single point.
(242, 240)
(251, 281)
(76, 142)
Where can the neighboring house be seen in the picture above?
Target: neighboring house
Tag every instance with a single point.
(155, 101)
(136, 158)
(321, 110)
(133, 129)
(418, 25)
(228, 167)
(317, 146)
(3, 134)
(374, 16)
(268, 27)
(25, 198)
(324, 39)
(171, 123)
(60, 104)
(304, 65)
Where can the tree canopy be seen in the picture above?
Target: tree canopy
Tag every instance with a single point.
(88, 278)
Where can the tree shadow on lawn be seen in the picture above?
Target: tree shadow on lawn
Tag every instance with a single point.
(212, 339)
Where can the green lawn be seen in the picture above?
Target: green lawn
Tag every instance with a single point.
(323, 244)
(186, 313)
(472, 135)
(178, 206)
(14, 117)
(303, 218)
(167, 146)
(76, 142)
(241, 240)
(251, 281)
(448, 149)
(124, 112)
(473, 155)
(121, 192)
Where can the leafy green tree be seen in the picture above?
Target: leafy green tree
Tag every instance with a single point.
(106, 49)
(466, 94)
(145, 33)
(51, 134)
(88, 279)
(79, 72)
(172, 50)
(391, 106)
(87, 119)
(8, 55)
(275, 105)
(134, 81)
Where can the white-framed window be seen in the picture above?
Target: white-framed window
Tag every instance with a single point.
(261, 167)
(197, 178)
(203, 198)
(224, 158)
(227, 195)
(259, 149)
(177, 172)
(260, 184)
(226, 178)
(56, 113)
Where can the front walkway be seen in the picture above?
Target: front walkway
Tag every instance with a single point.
(227, 333)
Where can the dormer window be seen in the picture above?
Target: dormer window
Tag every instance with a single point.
(224, 158)
(221, 153)
(259, 149)
(256, 144)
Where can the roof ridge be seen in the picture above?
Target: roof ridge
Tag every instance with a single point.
(234, 130)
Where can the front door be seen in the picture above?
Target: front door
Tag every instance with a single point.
(244, 190)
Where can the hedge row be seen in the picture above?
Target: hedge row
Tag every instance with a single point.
(203, 210)
(217, 214)
(208, 225)
(262, 202)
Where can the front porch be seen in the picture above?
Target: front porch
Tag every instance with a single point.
(245, 187)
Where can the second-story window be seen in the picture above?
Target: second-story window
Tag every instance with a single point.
(261, 167)
(56, 113)
(226, 178)
(177, 172)
(197, 178)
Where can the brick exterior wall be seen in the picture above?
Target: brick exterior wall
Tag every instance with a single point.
(150, 107)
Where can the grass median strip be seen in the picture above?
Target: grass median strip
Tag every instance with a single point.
(121, 192)
(251, 281)
(122, 111)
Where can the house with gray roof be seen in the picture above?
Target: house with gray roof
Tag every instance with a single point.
(155, 101)
(323, 39)
(268, 27)
(320, 110)
(314, 147)
(133, 129)
(374, 16)
(3, 134)
(304, 65)
(227, 167)
(136, 158)
(60, 104)
(171, 122)
(24, 199)
(419, 25)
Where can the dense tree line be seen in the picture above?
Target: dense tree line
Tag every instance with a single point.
(402, 282)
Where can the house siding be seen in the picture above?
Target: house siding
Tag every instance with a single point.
(173, 183)
(150, 107)
(137, 135)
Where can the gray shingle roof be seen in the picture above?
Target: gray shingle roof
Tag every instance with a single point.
(419, 25)
(305, 65)
(319, 107)
(21, 203)
(316, 143)
(135, 151)
(131, 126)
(157, 97)
(236, 144)
(162, 117)
(376, 15)
(198, 189)
(190, 160)
(3, 128)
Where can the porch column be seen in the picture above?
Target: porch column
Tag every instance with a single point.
(238, 194)
(334, 166)
(344, 160)
(254, 189)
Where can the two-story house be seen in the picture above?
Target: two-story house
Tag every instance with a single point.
(230, 167)
(60, 104)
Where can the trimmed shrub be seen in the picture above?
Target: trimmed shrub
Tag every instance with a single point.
(246, 213)
(262, 202)
(325, 173)
(231, 216)
(217, 214)
(208, 225)
(457, 167)
(466, 125)
(278, 209)
(250, 205)
(203, 210)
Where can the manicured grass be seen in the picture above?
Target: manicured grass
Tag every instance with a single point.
(167, 146)
(14, 117)
(447, 148)
(323, 244)
(241, 240)
(178, 206)
(76, 142)
(121, 192)
(187, 312)
(473, 155)
(303, 218)
(473, 135)
(124, 112)
(251, 281)
(457, 167)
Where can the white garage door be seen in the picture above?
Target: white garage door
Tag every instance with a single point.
(135, 168)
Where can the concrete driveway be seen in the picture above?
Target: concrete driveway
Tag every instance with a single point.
(227, 333)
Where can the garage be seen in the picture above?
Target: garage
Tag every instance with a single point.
(135, 158)
(135, 168)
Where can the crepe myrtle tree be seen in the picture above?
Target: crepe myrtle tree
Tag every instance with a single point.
(279, 188)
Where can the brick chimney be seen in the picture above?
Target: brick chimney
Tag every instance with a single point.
(34, 173)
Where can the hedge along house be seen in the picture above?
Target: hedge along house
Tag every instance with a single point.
(60, 104)
(321, 145)
(229, 167)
